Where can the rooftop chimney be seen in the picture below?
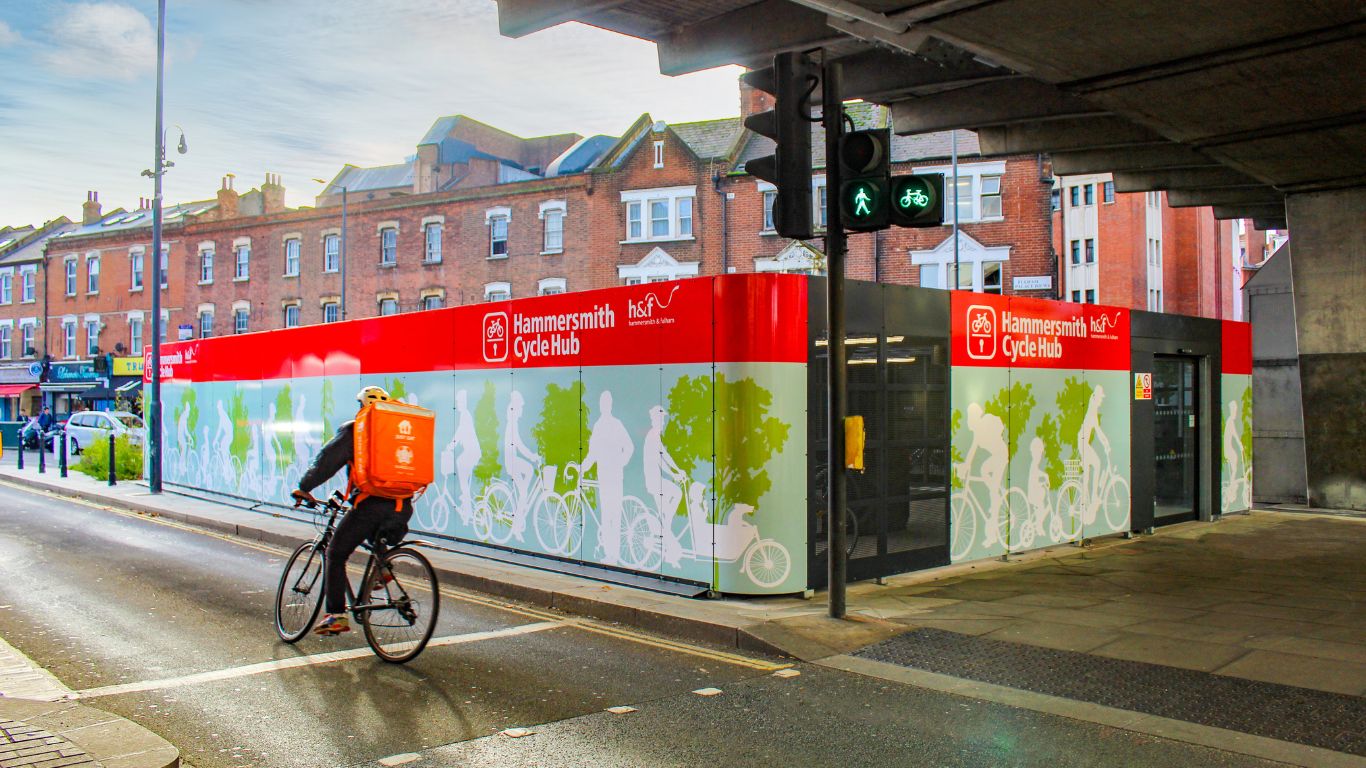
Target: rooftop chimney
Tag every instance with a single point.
(227, 199)
(273, 194)
(90, 210)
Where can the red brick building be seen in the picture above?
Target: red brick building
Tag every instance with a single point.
(1134, 250)
(479, 214)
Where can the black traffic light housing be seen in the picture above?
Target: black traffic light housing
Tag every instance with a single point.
(865, 179)
(917, 200)
(792, 80)
(101, 364)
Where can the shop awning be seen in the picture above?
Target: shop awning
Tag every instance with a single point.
(67, 387)
(13, 390)
(98, 393)
(129, 386)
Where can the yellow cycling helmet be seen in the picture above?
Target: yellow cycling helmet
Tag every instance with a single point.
(370, 395)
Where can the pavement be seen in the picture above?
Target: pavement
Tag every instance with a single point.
(1270, 600)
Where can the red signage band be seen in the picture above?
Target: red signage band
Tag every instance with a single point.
(1235, 353)
(1017, 332)
(732, 318)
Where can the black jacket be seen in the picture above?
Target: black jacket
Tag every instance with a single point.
(336, 456)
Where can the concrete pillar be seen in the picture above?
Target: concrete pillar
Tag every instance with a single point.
(1328, 233)
(1277, 421)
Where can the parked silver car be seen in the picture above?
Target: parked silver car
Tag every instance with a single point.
(86, 427)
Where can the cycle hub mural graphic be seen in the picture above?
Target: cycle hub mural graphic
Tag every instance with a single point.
(661, 429)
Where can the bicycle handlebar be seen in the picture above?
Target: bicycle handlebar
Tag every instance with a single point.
(303, 498)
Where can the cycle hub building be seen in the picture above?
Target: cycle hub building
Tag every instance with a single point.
(672, 435)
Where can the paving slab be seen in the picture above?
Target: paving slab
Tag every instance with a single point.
(77, 735)
(1172, 652)
(1301, 671)
(1063, 637)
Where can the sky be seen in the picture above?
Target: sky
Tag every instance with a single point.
(294, 87)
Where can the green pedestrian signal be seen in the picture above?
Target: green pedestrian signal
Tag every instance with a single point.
(864, 179)
(918, 200)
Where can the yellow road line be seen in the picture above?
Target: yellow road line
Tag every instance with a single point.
(583, 623)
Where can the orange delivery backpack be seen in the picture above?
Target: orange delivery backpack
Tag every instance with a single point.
(394, 446)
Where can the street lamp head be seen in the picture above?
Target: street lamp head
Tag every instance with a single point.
(182, 148)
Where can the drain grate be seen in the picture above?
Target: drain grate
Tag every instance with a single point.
(1301, 715)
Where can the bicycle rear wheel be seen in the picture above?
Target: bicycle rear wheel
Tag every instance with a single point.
(300, 594)
(399, 618)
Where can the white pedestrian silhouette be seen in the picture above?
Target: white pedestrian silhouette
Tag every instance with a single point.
(1036, 486)
(609, 449)
(520, 461)
(1091, 470)
(467, 443)
(662, 478)
(988, 436)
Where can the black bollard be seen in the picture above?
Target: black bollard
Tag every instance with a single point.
(42, 456)
(21, 450)
(113, 465)
(61, 455)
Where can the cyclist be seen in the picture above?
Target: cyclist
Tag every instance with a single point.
(372, 518)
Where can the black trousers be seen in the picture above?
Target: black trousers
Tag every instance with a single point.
(370, 519)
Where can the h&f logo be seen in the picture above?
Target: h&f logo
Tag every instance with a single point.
(495, 337)
(981, 332)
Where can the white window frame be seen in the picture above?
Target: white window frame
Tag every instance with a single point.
(28, 328)
(768, 198)
(973, 172)
(28, 284)
(659, 154)
(241, 259)
(384, 301)
(971, 256)
(640, 201)
(93, 326)
(388, 252)
(292, 261)
(92, 273)
(7, 285)
(136, 264)
(550, 286)
(433, 299)
(497, 291)
(557, 211)
(69, 337)
(6, 339)
(205, 329)
(165, 267)
(818, 209)
(69, 274)
(331, 236)
(285, 312)
(336, 310)
(241, 317)
(503, 214)
(206, 259)
(432, 225)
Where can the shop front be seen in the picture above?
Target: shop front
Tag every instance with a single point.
(120, 390)
(671, 434)
(19, 396)
(66, 384)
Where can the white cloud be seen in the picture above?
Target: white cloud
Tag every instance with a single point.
(101, 40)
(7, 35)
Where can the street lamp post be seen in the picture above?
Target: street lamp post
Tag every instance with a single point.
(158, 167)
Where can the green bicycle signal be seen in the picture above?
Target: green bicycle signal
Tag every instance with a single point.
(917, 200)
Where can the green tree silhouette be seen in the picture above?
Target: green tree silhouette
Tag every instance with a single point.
(188, 402)
(1013, 407)
(328, 405)
(746, 437)
(1246, 436)
(562, 432)
(1060, 436)
(955, 455)
(284, 411)
(486, 429)
(397, 390)
(241, 428)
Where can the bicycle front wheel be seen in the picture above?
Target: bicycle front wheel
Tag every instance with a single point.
(300, 594)
(399, 604)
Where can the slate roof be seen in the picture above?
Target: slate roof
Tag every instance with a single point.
(582, 156)
(710, 139)
(364, 179)
(121, 220)
(33, 249)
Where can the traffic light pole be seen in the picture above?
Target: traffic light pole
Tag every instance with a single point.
(832, 111)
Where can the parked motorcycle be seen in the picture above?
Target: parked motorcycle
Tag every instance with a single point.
(32, 435)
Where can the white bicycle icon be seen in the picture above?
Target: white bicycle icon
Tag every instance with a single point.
(965, 511)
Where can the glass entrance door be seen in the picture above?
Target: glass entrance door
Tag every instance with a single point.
(1176, 429)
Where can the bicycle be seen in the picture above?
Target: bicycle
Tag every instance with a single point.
(1113, 502)
(965, 509)
(568, 521)
(411, 596)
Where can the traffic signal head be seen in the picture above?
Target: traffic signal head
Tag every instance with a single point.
(792, 80)
(865, 179)
(918, 200)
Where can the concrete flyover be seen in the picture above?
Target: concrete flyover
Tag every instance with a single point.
(1256, 109)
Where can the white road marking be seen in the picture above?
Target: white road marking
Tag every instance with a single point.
(301, 661)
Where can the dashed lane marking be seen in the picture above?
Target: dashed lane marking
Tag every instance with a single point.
(585, 624)
(301, 661)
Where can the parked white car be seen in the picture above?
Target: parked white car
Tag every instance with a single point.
(87, 427)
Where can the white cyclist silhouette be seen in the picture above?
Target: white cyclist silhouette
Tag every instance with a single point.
(988, 437)
(520, 461)
(609, 449)
(1090, 459)
(1239, 494)
(466, 442)
(662, 482)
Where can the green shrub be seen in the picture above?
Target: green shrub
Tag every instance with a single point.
(127, 459)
